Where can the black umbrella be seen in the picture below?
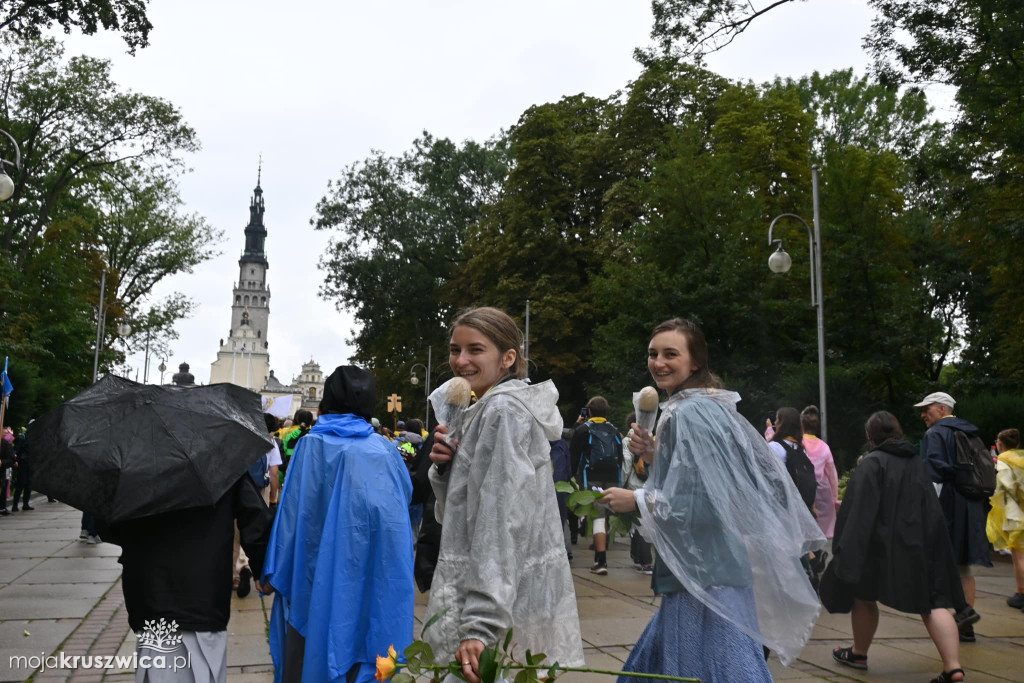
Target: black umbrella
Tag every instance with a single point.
(122, 450)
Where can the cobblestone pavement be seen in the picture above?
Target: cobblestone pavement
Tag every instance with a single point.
(60, 595)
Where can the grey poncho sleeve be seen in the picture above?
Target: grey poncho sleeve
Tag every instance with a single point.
(724, 514)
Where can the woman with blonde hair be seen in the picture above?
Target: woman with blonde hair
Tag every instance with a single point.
(1006, 519)
(502, 564)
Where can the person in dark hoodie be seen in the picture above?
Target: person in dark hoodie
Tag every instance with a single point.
(891, 546)
(340, 556)
(965, 518)
(177, 573)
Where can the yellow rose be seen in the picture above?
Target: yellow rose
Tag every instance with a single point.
(386, 665)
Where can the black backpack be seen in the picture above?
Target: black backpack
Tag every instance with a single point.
(602, 456)
(975, 473)
(801, 470)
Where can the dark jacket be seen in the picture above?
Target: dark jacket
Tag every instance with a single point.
(890, 541)
(965, 519)
(177, 565)
(428, 543)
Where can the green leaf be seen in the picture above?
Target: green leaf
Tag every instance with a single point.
(583, 498)
(533, 660)
(488, 668)
(421, 650)
(403, 678)
(523, 676)
(432, 620)
(553, 671)
(508, 641)
(564, 487)
(455, 669)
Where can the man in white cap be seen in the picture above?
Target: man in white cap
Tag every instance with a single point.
(965, 518)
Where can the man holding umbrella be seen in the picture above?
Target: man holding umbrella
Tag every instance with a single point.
(168, 491)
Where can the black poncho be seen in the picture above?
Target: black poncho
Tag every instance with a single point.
(891, 543)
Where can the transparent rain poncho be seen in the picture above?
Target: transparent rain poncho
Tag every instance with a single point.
(724, 514)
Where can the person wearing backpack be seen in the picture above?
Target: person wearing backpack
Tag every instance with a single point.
(951, 440)
(596, 453)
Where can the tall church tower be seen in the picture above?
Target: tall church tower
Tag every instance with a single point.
(244, 359)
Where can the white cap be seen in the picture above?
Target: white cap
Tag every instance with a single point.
(940, 397)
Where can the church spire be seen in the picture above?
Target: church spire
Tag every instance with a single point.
(255, 231)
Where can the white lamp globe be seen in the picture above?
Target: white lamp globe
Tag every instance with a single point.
(6, 187)
(780, 261)
(415, 380)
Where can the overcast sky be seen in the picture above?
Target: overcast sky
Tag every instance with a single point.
(316, 85)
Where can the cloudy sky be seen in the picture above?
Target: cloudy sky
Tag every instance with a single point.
(315, 85)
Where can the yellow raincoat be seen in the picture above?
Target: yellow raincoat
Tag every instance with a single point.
(1006, 519)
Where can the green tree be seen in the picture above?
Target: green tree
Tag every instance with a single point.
(28, 18)
(398, 227)
(96, 193)
(550, 231)
(73, 123)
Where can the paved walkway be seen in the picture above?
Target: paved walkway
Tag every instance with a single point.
(61, 595)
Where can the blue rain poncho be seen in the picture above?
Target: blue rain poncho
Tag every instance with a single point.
(341, 552)
(724, 514)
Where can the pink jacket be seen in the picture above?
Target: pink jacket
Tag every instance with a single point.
(826, 498)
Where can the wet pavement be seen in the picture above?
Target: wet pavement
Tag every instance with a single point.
(61, 595)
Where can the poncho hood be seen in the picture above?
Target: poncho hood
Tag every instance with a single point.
(901, 448)
(540, 399)
(345, 425)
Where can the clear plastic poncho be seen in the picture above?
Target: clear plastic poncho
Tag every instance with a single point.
(724, 514)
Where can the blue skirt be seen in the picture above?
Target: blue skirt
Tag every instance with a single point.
(687, 639)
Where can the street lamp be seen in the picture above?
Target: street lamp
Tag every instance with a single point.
(162, 368)
(780, 262)
(6, 184)
(414, 380)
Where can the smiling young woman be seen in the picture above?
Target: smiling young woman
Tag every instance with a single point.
(728, 524)
(502, 562)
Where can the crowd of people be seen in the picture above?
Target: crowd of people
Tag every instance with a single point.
(342, 519)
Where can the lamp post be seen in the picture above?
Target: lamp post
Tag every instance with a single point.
(780, 262)
(416, 380)
(162, 368)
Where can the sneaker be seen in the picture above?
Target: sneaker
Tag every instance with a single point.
(83, 535)
(638, 567)
(27, 507)
(844, 655)
(647, 569)
(244, 582)
(967, 635)
(1016, 601)
(4, 512)
(599, 568)
(966, 617)
(92, 539)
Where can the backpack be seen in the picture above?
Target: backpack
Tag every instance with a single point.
(259, 474)
(602, 456)
(974, 472)
(801, 470)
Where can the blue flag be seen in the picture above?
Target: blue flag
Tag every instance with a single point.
(8, 387)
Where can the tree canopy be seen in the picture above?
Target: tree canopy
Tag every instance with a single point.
(28, 18)
(96, 192)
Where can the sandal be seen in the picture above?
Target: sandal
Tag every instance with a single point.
(844, 655)
(947, 676)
